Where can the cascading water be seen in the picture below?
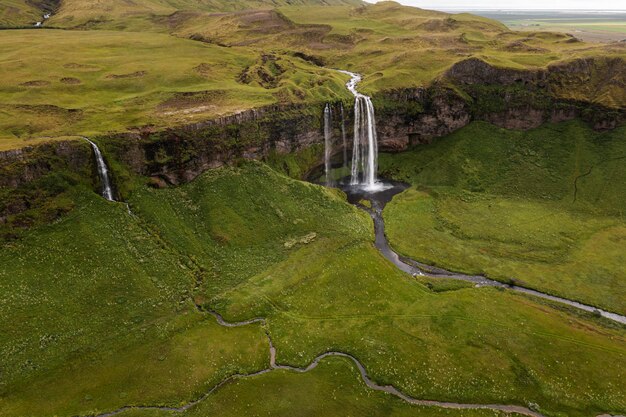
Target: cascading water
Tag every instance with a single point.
(103, 172)
(328, 142)
(343, 138)
(365, 146)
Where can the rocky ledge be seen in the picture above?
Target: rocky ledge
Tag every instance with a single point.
(470, 90)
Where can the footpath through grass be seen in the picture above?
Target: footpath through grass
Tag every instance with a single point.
(543, 208)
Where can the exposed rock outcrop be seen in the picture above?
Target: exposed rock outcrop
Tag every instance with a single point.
(470, 90)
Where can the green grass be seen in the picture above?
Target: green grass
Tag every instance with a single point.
(97, 310)
(334, 388)
(64, 83)
(18, 13)
(134, 65)
(96, 315)
(368, 308)
(544, 208)
(237, 223)
(467, 345)
(85, 14)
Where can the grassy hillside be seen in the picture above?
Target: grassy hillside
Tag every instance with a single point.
(64, 83)
(250, 243)
(96, 315)
(82, 13)
(18, 13)
(544, 208)
(136, 71)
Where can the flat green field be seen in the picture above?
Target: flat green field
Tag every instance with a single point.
(543, 208)
(249, 242)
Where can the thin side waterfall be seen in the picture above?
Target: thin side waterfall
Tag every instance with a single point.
(328, 142)
(103, 172)
(343, 138)
(365, 145)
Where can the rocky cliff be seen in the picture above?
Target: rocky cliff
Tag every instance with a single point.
(469, 90)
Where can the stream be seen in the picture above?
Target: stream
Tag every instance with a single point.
(273, 365)
(379, 200)
(383, 194)
(358, 187)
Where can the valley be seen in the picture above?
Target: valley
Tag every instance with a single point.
(308, 208)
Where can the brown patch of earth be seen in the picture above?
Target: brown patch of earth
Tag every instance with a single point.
(136, 74)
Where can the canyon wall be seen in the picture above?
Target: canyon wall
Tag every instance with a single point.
(469, 90)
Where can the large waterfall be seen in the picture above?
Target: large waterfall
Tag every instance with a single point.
(343, 138)
(103, 172)
(328, 142)
(365, 146)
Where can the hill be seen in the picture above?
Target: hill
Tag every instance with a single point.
(162, 64)
(84, 13)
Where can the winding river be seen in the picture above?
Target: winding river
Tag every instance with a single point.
(378, 194)
(379, 200)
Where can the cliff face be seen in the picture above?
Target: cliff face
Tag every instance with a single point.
(590, 80)
(26, 165)
(470, 90)
(177, 156)
(508, 98)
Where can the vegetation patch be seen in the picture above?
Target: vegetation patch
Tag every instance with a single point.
(529, 208)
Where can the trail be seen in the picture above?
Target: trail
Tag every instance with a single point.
(371, 384)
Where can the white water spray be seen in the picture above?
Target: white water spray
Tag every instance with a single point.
(103, 172)
(328, 142)
(343, 138)
(365, 146)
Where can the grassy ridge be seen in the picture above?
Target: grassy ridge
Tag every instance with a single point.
(86, 13)
(120, 80)
(136, 71)
(544, 208)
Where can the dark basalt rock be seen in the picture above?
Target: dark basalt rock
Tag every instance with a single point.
(470, 90)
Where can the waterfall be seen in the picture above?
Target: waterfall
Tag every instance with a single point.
(343, 138)
(103, 172)
(365, 146)
(328, 144)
